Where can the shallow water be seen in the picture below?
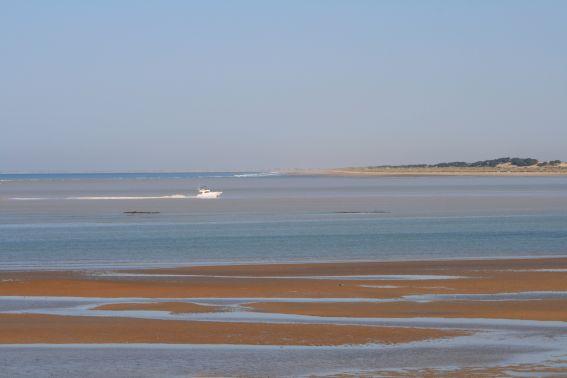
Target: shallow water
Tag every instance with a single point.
(495, 342)
(182, 361)
(64, 221)
(275, 218)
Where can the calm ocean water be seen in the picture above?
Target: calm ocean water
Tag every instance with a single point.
(78, 220)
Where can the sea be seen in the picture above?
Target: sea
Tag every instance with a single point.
(85, 221)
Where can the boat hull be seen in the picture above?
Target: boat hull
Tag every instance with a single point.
(209, 195)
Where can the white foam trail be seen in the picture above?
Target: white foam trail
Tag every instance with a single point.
(171, 196)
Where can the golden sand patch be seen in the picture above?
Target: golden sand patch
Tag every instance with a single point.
(480, 276)
(548, 309)
(443, 267)
(28, 329)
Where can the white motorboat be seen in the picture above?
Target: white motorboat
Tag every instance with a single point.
(205, 192)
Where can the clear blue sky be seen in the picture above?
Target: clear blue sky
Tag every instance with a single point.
(193, 85)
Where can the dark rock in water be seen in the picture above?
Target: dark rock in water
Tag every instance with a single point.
(140, 212)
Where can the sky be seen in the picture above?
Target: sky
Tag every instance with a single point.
(260, 85)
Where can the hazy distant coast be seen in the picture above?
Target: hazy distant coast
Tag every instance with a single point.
(494, 167)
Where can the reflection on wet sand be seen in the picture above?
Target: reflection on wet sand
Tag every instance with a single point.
(472, 305)
(33, 329)
(172, 307)
(545, 310)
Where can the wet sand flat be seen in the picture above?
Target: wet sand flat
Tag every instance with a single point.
(305, 305)
(368, 267)
(301, 280)
(31, 328)
(545, 310)
(149, 287)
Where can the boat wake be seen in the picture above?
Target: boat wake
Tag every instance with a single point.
(171, 196)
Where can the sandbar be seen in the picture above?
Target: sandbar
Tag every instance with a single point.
(33, 329)
(471, 277)
(545, 309)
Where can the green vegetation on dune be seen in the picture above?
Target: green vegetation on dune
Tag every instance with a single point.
(493, 163)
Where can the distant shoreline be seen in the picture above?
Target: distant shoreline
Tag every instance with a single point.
(392, 171)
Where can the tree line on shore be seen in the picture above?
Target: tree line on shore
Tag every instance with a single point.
(493, 163)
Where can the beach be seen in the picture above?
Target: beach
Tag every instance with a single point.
(303, 189)
(284, 275)
(316, 305)
(532, 171)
